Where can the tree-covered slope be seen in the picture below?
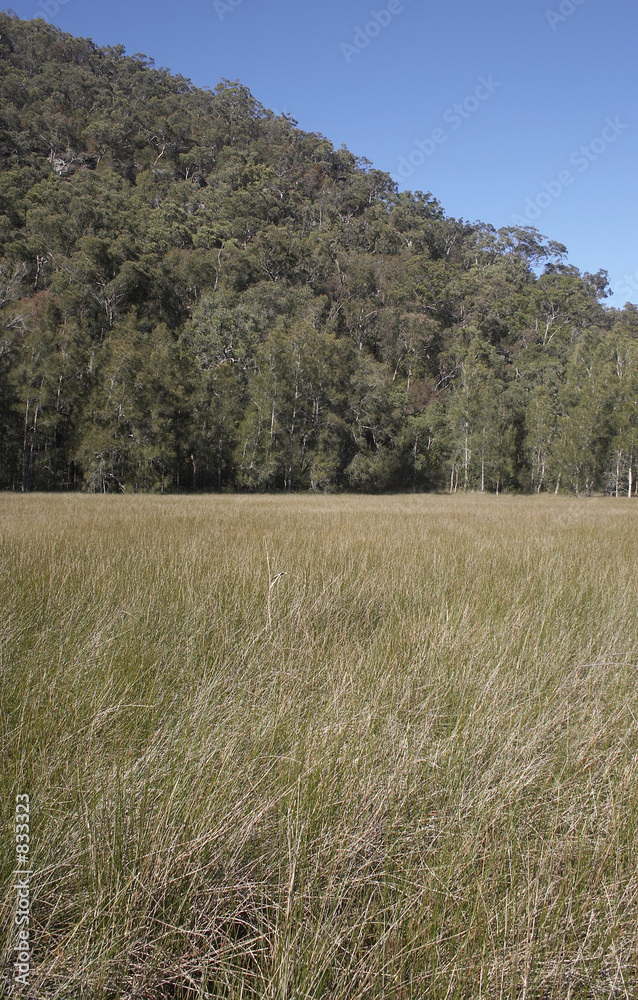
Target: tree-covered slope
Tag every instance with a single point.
(196, 294)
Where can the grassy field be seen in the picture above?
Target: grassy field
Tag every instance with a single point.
(405, 768)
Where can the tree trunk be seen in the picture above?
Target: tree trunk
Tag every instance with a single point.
(28, 446)
(25, 466)
(618, 456)
(465, 463)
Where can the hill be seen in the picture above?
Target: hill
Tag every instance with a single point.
(195, 294)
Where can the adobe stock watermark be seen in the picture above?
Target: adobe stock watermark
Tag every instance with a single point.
(224, 7)
(581, 158)
(49, 8)
(379, 20)
(454, 117)
(565, 11)
(22, 886)
(629, 286)
(282, 113)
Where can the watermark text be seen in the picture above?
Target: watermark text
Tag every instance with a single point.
(565, 10)
(581, 159)
(454, 117)
(49, 8)
(379, 20)
(22, 886)
(224, 7)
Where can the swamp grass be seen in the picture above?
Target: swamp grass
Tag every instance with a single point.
(295, 747)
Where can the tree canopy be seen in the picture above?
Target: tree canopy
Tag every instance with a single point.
(195, 294)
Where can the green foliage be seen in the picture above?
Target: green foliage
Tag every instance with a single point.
(195, 294)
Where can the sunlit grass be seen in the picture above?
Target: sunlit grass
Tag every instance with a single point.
(404, 768)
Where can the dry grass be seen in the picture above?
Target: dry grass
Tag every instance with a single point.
(407, 768)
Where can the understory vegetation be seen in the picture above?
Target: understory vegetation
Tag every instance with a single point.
(309, 746)
(197, 295)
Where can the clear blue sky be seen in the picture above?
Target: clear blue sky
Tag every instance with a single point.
(557, 73)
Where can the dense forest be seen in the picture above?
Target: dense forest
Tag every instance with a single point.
(195, 294)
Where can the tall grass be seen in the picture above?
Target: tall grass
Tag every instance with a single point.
(405, 768)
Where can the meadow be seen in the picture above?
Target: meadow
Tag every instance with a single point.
(294, 747)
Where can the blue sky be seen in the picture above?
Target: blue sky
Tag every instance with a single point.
(506, 111)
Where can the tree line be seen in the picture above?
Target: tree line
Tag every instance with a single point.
(195, 294)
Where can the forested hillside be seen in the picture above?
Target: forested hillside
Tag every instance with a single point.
(195, 294)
